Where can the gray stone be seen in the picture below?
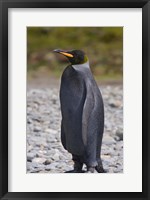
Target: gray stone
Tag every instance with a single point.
(36, 165)
(37, 129)
(108, 140)
(41, 143)
(29, 166)
(50, 131)
(48, 161)
(119, 133)
(56, 157)
(51, 166)
(39, 160)
(30, 156)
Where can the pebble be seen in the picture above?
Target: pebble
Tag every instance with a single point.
(48, 161)
(51, 131)
(45, 153)
(51, 166)
(119, 133)
(56, 157)
(39, 160)
(30, 156)
(37, 129)
(108, 140)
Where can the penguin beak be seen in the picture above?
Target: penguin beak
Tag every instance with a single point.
(65, 53)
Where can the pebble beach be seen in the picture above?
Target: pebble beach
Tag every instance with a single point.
(45, 153)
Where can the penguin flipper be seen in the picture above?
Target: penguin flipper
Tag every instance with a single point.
(88, 131)
(92, 125)
(63, 137)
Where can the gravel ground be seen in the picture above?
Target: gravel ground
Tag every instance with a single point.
(45, 153)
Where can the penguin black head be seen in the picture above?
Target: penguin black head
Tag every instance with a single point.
(75, 57)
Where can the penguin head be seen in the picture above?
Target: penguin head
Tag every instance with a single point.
(75, 57)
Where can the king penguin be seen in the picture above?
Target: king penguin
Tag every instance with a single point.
(82, 112)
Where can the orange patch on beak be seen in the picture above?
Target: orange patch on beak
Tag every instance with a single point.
(67, 54)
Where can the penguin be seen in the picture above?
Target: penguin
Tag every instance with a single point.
(82, 112)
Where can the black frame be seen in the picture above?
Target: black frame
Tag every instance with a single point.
(4, 6)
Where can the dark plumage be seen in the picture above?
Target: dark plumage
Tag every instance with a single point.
(82, 113)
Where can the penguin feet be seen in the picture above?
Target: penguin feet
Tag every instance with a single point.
(75, 171)
(90, 169)
(77, 168)
(100, 169)
(96, 169)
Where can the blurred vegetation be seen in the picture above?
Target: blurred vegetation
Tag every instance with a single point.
(103, 45)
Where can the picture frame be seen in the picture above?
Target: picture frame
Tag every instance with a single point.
(4, 94)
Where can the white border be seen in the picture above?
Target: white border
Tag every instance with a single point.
(131, 179)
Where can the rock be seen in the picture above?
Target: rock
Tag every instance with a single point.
(68, 168)
(119, 133)
(29, 148)
(108, 140)
(56, 157)
(36, 165)
(48, 161)
(39, 160)
(51, 166)
(62, 165)
(29, 121)
(51, 139)
(41, 144)
(51, 152)
(37, 129)
(36, 170)
(115, 104)
(29, 166)
(50, 131)
(30, 156)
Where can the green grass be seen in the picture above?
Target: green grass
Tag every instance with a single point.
(103, 45)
